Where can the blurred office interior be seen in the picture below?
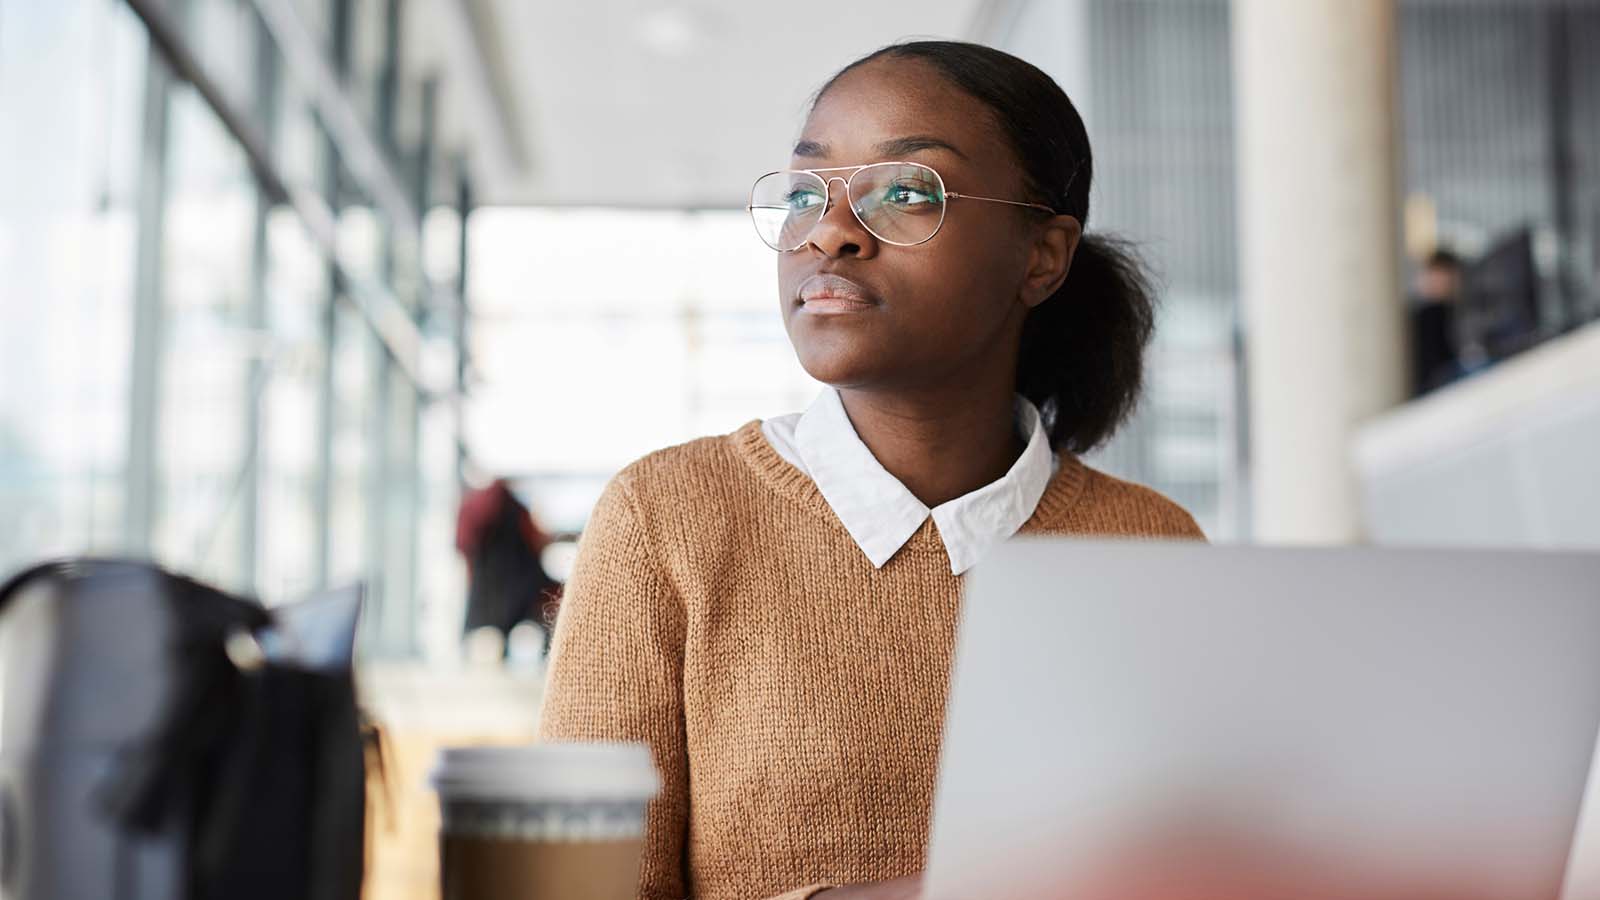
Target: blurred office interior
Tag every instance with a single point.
(280, 280)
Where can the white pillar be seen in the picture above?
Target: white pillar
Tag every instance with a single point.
(1314, 82)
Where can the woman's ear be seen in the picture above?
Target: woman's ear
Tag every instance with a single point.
(1050, 259)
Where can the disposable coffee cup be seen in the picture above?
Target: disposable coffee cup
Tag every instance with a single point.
(543, 822)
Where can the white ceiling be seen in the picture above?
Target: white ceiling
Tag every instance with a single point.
(675, 104)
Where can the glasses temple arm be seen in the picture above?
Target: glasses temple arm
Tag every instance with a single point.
(956, 196)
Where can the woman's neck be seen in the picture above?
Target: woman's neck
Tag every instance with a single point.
(941, 443)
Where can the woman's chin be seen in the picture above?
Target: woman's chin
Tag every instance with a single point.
(841, 369)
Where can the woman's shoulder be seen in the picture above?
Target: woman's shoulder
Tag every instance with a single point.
(693, 469)
(707, 493)
(1105, 504)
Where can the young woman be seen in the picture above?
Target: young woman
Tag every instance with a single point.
(773, 611)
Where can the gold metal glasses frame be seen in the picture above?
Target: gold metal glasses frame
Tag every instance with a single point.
(827, 194)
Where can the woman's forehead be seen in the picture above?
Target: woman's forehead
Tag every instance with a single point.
(891, 109)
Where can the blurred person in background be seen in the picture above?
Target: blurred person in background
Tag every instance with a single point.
(1435, 341)
(506, 581)
(774, 610)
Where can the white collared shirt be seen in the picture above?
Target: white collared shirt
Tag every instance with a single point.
(881, 514)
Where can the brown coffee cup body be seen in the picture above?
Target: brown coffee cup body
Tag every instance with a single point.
(566, 851)
(490, 868)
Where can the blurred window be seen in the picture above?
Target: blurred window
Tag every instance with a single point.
(71, 97)
(601, 335)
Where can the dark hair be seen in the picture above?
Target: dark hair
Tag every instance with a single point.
(1444, 258)
(1082, 355)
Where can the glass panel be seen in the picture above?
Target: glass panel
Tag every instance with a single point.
(370, 21)
(316, 16)
(68, 166)
(207, 349)
(441, 574)
(352, 460)
(222, 34)
(296, 288)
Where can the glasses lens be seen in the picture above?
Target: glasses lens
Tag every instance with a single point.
(902, 203)
(785, 207)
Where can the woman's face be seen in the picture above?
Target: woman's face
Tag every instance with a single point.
(865, 314)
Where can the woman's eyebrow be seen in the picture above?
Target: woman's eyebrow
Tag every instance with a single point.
(810, 149)
(894, 147)
(904, 146)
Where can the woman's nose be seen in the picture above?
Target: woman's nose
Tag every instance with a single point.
(839, 233)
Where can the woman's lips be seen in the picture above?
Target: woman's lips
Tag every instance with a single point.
(833, 294)
(833, 306)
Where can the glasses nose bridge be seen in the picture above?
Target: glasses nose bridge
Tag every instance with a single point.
(827, 190)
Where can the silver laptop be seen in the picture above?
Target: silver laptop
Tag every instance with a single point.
(1379, 715)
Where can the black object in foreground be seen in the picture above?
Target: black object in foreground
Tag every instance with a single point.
(163, 739)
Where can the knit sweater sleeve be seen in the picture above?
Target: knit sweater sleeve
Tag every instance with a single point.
(616, 671)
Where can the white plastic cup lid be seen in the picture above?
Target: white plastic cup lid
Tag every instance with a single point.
(571, 772)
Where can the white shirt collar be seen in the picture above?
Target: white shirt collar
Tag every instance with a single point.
(881, 514)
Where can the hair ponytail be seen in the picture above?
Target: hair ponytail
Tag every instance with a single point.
(1082, 360)
(1082, 355)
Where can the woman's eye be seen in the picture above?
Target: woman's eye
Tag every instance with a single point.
(906, 194)
(803, 199)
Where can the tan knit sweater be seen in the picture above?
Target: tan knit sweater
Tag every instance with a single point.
(793, 694)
